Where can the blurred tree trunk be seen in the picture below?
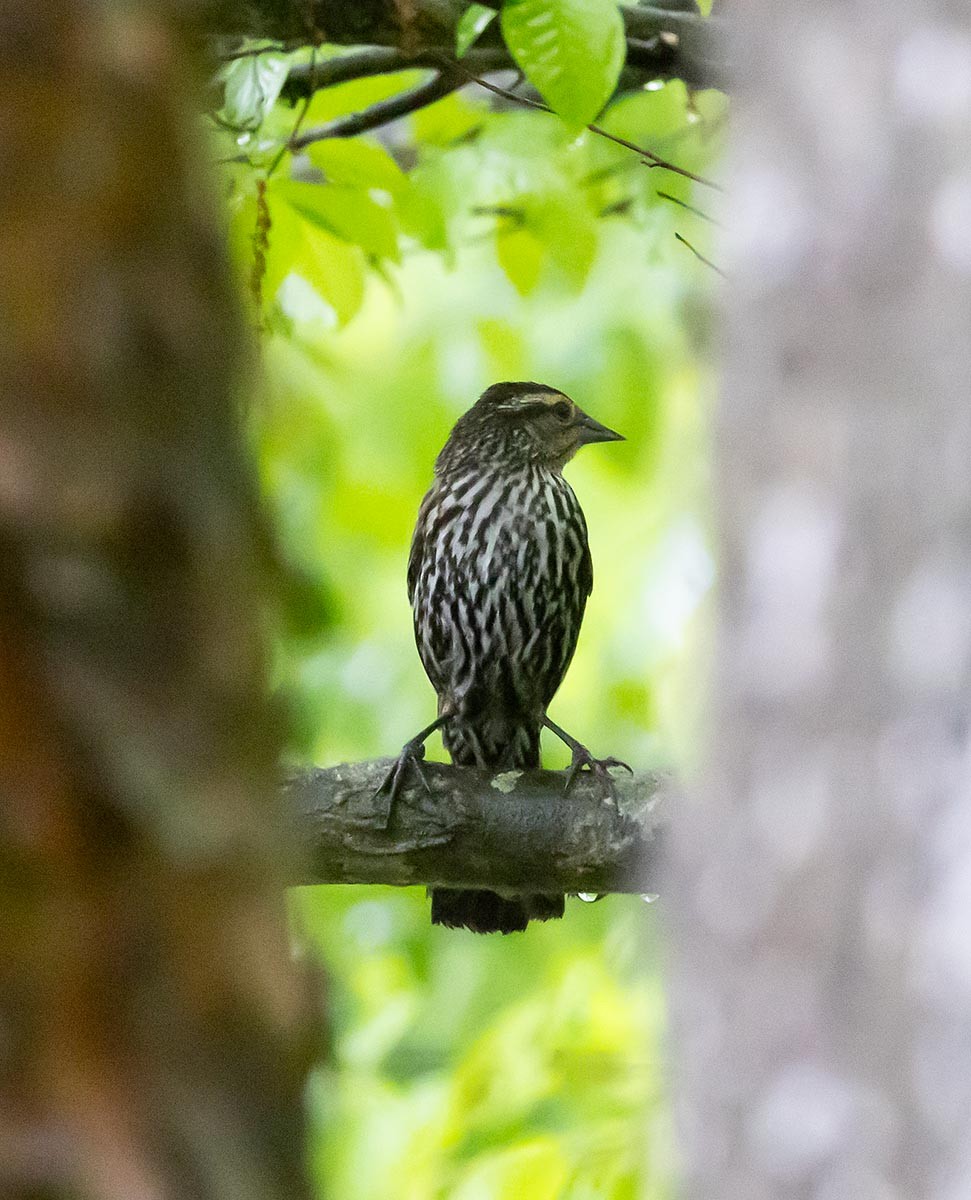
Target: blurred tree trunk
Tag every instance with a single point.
(822, 880)
(153, 1036)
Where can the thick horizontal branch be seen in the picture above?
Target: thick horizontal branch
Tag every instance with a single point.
(683, 45)
(476, 828)
(305, 78)
(409, 26)
(391, 36)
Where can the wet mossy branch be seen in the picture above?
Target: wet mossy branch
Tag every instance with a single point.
(477, 828)
(662, 42)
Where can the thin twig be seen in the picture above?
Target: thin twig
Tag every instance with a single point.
(301, 116)
(703, 128)
(691, 209)
(654, 160)
(498, 210)
(253, 52)
(700, 257)
(504, 92)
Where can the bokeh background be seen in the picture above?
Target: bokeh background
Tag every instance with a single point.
(393, 279)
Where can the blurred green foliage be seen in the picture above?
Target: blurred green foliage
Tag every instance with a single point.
(393, 279)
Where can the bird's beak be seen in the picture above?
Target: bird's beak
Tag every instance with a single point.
(589, 430)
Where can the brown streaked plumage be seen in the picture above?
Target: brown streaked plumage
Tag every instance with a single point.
(498, 578)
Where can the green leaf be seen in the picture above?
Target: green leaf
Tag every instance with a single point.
(347, 213)
(297, 244)
(572, 51)
(520, 255)
(536, 1167)
(648, 117)
(554, 232)
(471, 24)
(448, 120)
(357, 163)
(332, 268)
(423, 210)
(251, 87)
(358, 94)
(569, 232)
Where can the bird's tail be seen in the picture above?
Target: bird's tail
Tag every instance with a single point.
(505, 746)
(488, 912)
(502, 744)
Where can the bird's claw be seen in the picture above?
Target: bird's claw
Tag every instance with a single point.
(410, 758)
(599, 768)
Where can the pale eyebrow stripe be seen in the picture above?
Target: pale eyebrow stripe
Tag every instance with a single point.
(525, 409)
(534, 401)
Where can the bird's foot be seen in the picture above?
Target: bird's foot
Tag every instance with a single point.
(599, 768)
(410, 759)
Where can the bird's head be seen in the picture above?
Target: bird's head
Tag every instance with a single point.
(513, 424)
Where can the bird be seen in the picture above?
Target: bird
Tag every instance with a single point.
(498, 578)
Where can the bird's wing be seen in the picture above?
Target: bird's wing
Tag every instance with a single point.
(417, 546)
(585, 573)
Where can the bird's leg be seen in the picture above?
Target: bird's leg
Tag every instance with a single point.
(600, 767)
(410, 758)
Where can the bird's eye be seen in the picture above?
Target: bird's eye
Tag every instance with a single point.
(562, 410)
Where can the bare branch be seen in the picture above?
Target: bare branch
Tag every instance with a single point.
(476, 828)
(303, 81)
(661, 43)
(683, 45)
(381, 113)
(655, 160)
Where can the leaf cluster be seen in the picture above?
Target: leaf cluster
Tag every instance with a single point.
(456, 173)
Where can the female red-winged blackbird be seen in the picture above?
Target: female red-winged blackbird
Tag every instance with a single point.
(498, 578)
